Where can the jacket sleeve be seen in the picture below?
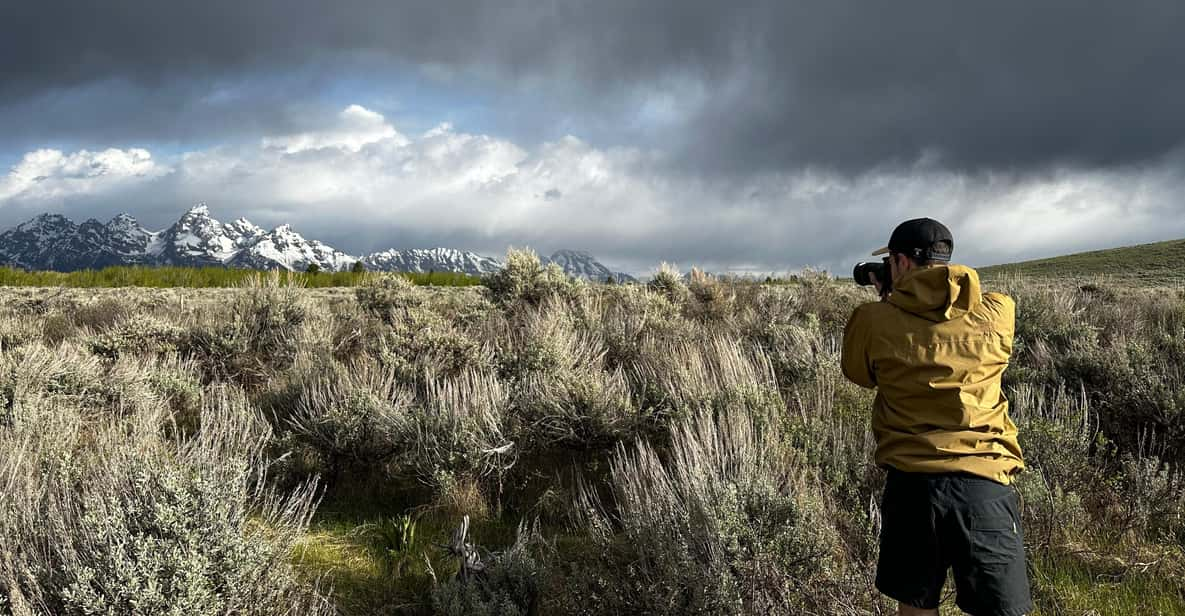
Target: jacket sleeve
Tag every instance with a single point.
(855, 362)
(1004, 322)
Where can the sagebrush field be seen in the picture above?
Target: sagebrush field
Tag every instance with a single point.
(687, 446)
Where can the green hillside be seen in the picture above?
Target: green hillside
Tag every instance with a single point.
(1157, 263)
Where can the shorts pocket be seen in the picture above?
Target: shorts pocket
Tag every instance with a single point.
(994, 539)
(992, 522)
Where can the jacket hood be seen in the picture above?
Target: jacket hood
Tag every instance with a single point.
(938, 293)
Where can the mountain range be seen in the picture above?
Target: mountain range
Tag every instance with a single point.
(54, 242)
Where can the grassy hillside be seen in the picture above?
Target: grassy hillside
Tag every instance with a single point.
(1158, 263)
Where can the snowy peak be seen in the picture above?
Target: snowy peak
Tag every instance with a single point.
(54, 242)
(200, 239)
(288, 249)
(580, 264)
(243, 231)
(431, 260)
(200, 210)
(197, 239)
(124, 223)
(47, 226)
(126, 237)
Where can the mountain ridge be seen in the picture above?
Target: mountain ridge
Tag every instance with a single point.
(54, 242)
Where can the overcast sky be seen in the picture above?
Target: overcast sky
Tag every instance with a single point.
(762, 136)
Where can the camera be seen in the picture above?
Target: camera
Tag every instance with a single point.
(863, 273)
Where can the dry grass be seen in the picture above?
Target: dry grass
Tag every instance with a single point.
(691, 442)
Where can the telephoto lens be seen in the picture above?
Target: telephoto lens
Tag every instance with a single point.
(862, 270)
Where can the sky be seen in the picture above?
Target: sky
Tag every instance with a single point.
(734, 136)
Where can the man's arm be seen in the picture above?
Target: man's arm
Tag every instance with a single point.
(1004, 321)
(854, 362)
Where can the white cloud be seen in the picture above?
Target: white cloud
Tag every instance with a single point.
(49, 174)
(361, 185)
(353, 128)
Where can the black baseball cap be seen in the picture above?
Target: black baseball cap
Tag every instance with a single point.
(919, 238)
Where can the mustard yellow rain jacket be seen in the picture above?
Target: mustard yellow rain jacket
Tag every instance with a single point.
(935, 352)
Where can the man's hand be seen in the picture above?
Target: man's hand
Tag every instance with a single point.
(877, 283)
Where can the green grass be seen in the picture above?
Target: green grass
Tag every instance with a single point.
(204, 277)
(343, 548)
(1068, 585)
(1161, 263)
(1065, 585)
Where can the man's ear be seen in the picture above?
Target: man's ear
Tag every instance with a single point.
(902, 263)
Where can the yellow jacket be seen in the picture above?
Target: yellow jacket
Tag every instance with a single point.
(935, 351)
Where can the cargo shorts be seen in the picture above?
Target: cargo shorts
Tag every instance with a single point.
(933, 522)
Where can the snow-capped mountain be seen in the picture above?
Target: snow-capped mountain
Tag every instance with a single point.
(431, 260)
(53, 242)
(288, 249)
(580, 264)
(199, 239)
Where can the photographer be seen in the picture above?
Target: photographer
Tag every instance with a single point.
(935, 348)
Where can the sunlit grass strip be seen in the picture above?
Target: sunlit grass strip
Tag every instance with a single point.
(1065, 585)
(205, 277)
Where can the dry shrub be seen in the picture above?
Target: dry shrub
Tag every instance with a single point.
(622, 316)
(456, 497)
(684, 377)
(421, 345)
(17, 330)
(1058, 435)
(727, 523)
(106, 515)
(401, 326)
(354, 333)
(460, 432)
(57, 327)
(356, 416)
(382, 294)
(829, 300)
(577, 408)
(524, 278)
(544, 339)
(797, 348)
(710, 300)
(101, 391)
(139, 335)
(177, 384)
(508, 584)
(363, 417)
(562, 390)
(258, 336)
(102, 313)
(1079, 488)
(669, 283)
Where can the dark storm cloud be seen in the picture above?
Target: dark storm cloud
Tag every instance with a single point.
(116, 112)
(847, 85)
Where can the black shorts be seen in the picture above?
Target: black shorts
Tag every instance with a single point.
(931, 522)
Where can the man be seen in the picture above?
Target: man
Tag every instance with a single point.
(935, 348)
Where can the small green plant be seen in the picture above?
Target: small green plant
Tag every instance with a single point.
(395, 538)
